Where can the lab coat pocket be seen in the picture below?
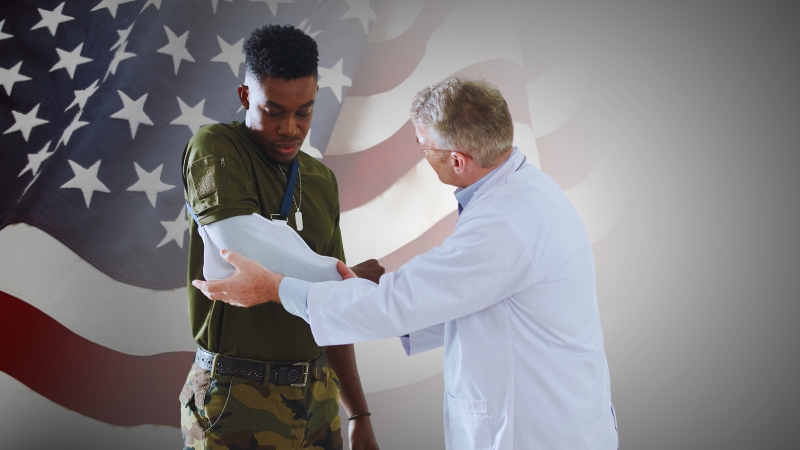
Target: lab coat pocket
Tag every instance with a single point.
(467, 424)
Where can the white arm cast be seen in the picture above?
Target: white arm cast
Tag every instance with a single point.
(272, 244)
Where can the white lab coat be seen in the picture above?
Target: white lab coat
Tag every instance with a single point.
(511, 296)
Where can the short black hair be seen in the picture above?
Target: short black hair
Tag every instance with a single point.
(281, 51)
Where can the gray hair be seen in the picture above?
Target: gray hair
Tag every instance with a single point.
(470, 116)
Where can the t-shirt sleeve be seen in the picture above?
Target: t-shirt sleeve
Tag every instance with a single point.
(217, 179)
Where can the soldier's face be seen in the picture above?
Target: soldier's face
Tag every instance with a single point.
(278, 114)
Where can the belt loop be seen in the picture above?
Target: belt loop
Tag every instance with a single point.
(266, 374)
(214, 365)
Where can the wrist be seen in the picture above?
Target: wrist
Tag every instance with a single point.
(360, 416)
(276, 295)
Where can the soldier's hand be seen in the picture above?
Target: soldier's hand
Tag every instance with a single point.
(369, 269)
(361, 435)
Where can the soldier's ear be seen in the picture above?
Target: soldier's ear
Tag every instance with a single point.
(244, 96)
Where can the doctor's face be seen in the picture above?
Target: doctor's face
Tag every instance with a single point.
(439, 159)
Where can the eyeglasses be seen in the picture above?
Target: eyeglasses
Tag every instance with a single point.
(431, 149)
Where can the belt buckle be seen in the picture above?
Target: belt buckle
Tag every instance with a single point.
(214, 365)
(305, 374)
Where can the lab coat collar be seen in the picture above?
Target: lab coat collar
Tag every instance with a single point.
(511, 164)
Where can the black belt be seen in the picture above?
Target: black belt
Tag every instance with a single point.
(293, 374)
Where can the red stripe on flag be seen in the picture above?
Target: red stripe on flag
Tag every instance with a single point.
(571, 152)
(384, 65)
(85, 377)
(568, 155)
(364, 175)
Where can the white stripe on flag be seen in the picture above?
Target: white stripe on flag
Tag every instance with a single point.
(43, 272)
(32, 421)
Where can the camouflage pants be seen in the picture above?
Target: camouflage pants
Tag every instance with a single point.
(231, 413)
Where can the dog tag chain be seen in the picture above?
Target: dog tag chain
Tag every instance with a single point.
(298, 216)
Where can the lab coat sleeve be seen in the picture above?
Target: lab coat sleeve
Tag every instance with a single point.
(423, 340)
(273, 245)
(484, 261)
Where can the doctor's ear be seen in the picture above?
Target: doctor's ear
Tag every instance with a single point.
(459, 161)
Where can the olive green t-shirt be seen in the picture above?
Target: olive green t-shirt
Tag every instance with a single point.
(226, 175)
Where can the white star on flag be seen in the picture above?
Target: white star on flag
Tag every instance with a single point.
(273, 5)
(70, 60)
(150, 183)
(10, 76)
(231, 54)
(82, 95)
(36, 159)
(334, 79)
(133, 112)
(193, 116)
(176, 48)
(123, 37)
(85, 180)
(25, 122)
(4, 35)
(156, 3)
(111, 5)
(74, 125)
(175, 229)
(359, 9)
(119, 56)
(306, 27)
(214, 4)
(51, 19)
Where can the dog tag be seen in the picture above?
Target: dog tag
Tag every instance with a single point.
(298, 220)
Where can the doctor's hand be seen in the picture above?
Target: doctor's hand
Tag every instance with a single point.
(252, 284)
(369, 269)
(345, 271)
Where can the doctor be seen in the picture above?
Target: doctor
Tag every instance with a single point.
(510, 294)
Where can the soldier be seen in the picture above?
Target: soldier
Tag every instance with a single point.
(259, 380)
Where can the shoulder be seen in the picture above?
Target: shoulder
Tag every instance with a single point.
(214, 134)
(538, 207)
(217, 140)
(527, 198)
(312, 166)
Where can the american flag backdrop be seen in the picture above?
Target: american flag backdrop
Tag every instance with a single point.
(98, 100)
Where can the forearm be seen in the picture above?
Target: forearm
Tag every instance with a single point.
(342, 359)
